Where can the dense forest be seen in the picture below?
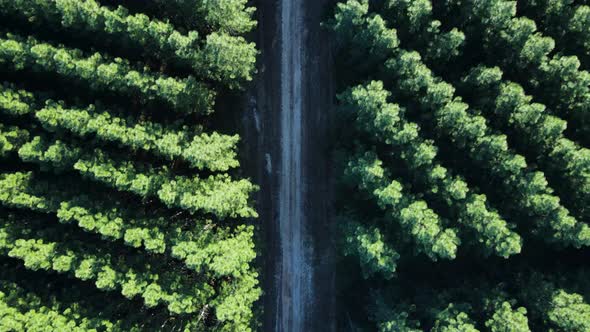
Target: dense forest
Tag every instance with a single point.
(123, 207)
(465, 179)
(450, 190)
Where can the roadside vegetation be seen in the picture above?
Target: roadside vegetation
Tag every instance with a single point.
(122, 207)
(464, 162)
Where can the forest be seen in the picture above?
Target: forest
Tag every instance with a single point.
(292, 165)
(465, 179)
(123, 207)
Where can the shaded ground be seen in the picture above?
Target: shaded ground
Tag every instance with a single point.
(286, 142)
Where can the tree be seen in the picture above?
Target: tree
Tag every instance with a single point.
(368, 244)
(417, 220)
(386, 123)
(224, 58)
(431, 125)
(101, 73)
(505, 319)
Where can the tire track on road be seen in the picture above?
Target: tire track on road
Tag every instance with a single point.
(295, 272)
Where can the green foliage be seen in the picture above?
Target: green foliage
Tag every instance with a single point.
(217, 194)
(414, 18)
(14, 101)
(471, 134)
(104, 222)
(579, 24)
(56, 156)
(506, 104)
(215, 151)
(569, 312)
(42, 319)
(457, 98)
(227, 59)
(375, 38)
(506, 319)
(231, 16)
(201, 247)
(541, 132)
(557, 308)
(563, 20)
(396, 323)
(515, 44)
(418, 221)
(376, 256)
(390, 319)
(11, 139)
(25, 311)
(101, 73)
(109, 271)
(235, 300)
(385, 121)
(453, 319)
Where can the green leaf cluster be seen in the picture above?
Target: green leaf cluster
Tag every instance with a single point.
(104, 74)
(224, 58)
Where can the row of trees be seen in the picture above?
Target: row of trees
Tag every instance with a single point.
(11, 139)
(231, 16)
(214, 152)
(122, 208)
(202, 245)
(24, 311)
(528, 190)
(207, 249)
(514, 44)
(505, 104)
(221, 57)
(534, 131)
(386, 123)
(34, 293)
(416, 219)
(471, 80)
(47, 248)
(104, 74)
(485, 306)
(565, 21)
(217, 194)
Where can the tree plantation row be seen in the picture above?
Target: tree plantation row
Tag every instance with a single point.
(122, 207)
(465, 180)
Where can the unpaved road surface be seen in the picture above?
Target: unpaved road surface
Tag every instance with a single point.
(294, 276)
(286, 135)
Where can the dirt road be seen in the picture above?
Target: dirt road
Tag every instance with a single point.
(286, 136)
(294, 276)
